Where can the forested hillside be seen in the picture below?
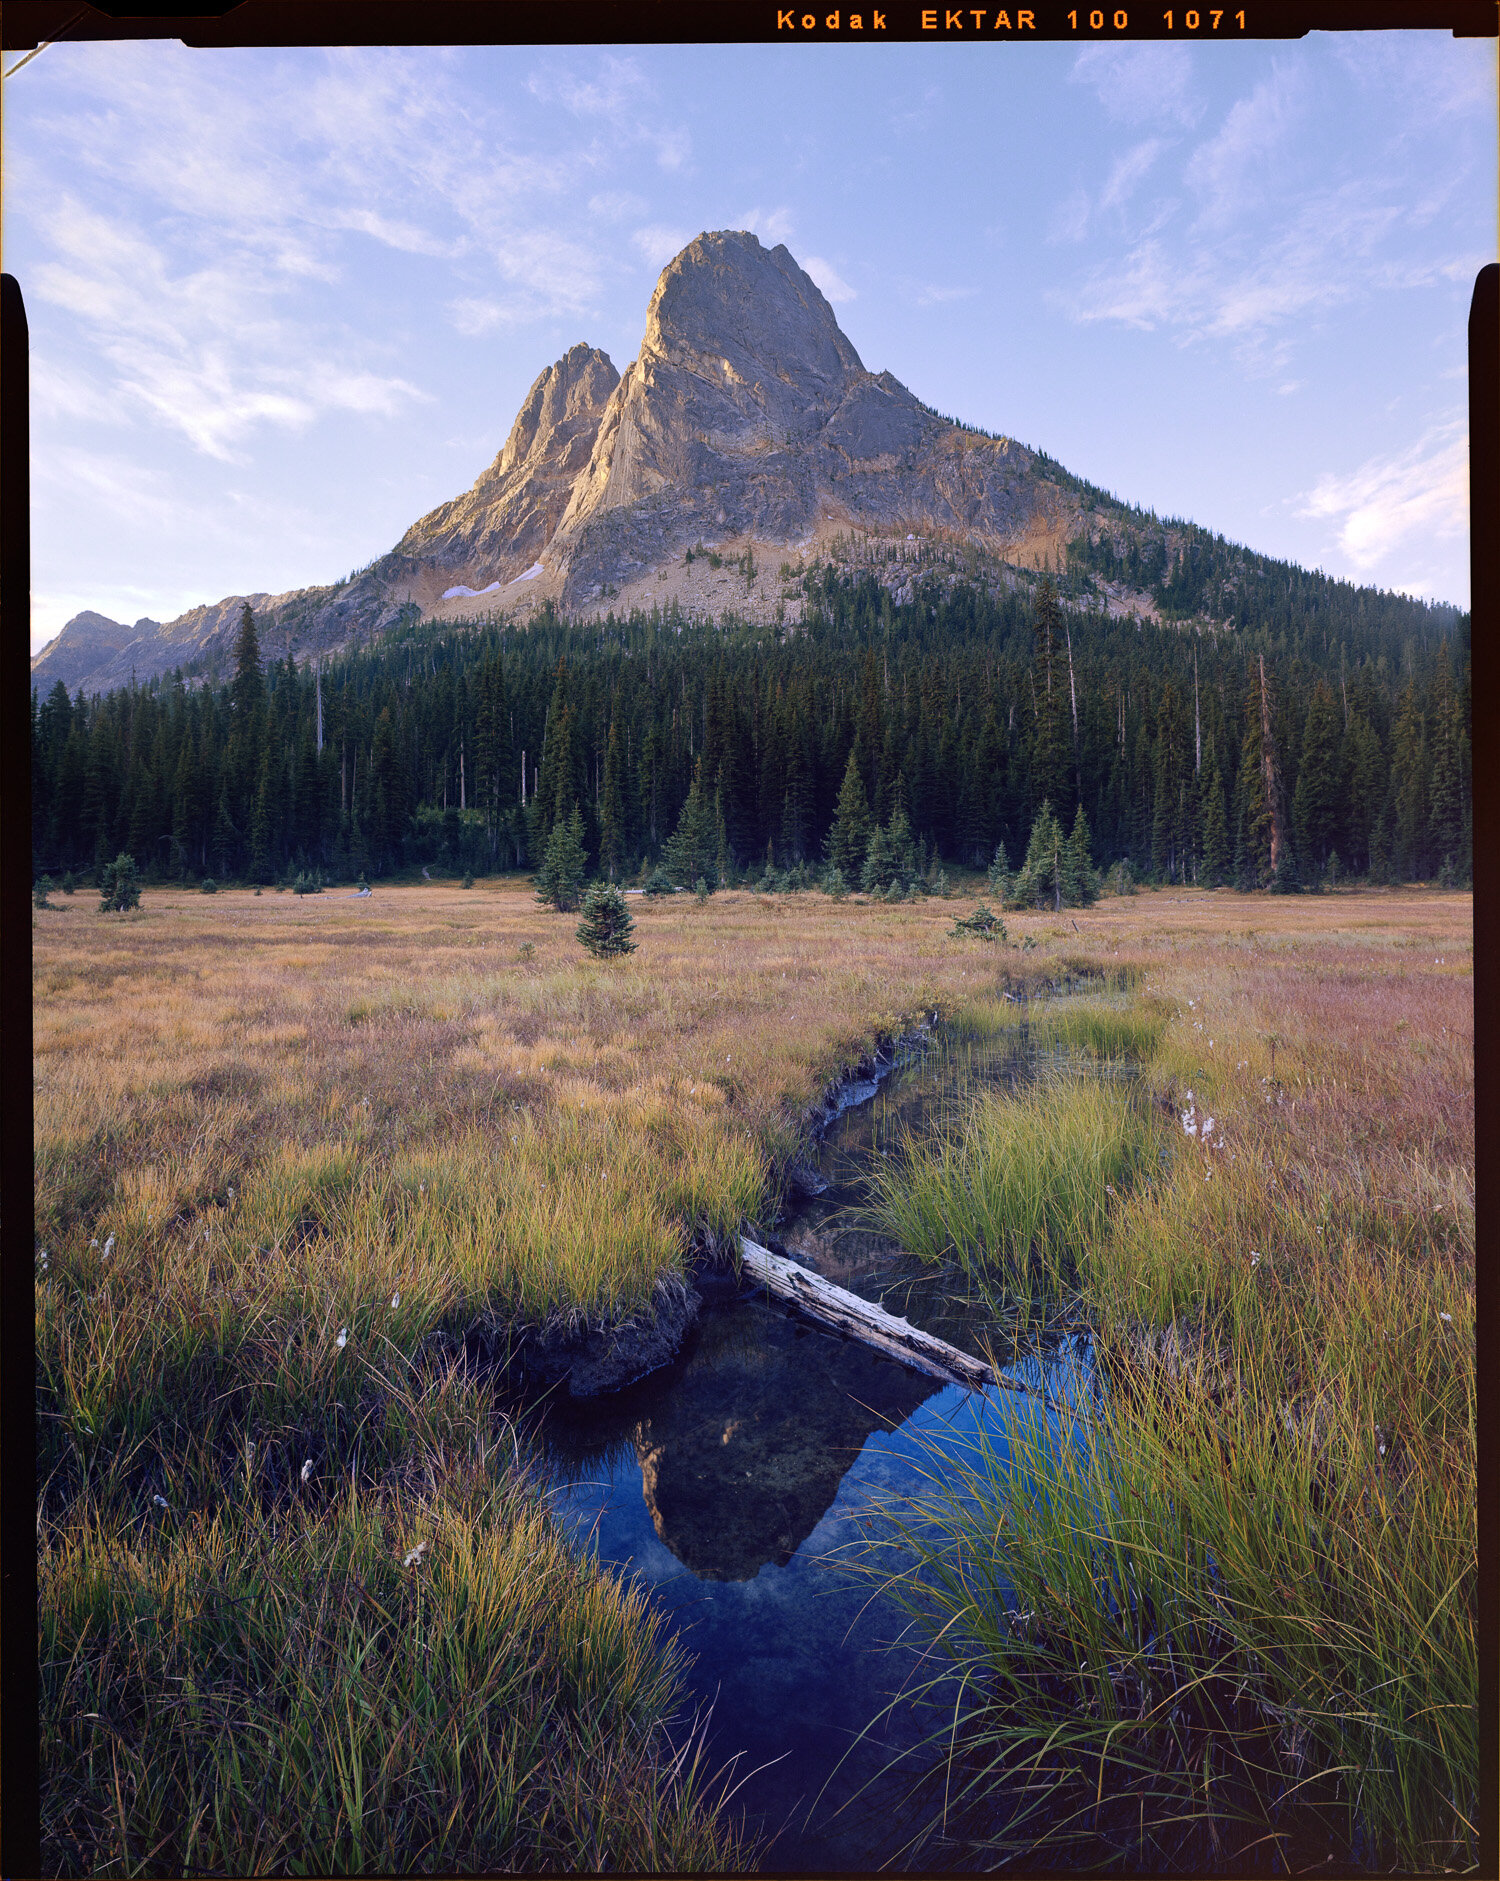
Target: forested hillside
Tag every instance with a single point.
(1326, 732)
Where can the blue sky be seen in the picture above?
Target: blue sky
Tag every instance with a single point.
(283, 302)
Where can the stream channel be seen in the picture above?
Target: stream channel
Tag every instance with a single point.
(733, 1482)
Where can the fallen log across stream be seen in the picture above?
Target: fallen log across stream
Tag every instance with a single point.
(844, 1312)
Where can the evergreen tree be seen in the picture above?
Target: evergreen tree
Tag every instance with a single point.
(999, 874)
(1214, 838)
(247, 694)
(1446, 793)
(1051, 757)
(1408, 787)
(614, 835)
(606, 927)
(119, 885)
(694, 848)
(1080, 885)
(1252, 848)
(849, 839)
(559, 881)
(1039, 880)
(1315, 802)
(891, 859)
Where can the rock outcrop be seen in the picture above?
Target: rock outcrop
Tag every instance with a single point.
(747, 417)
(749, 414)
(498, 529)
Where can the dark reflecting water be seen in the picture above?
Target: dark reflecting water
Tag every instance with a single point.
(734, 1482)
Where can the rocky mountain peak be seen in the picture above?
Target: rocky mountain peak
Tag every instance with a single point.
(746, 317)
(560, 412)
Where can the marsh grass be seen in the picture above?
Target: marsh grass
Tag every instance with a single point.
(1226, 1619)
(1026, 1188)
(426, 1679)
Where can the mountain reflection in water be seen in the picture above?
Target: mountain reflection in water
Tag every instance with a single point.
(740, 1462)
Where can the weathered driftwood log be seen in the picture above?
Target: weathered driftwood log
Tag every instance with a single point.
(846, 1313)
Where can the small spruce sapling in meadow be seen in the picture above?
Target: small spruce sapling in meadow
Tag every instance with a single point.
(999, 874)
(606, 927)
(658, 882)
(700, 889)
(41, 891)
(834, 884)
(69, 883)
(119, 885)
(468, 881)
(208, 886)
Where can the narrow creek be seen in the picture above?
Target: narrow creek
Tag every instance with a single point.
(733, 1483)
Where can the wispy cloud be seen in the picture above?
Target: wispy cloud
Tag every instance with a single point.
(617, 91)
(1390, 501)
(773, 226)
(830, 282)
(1142, 84)
(1243, 164)
(1263, 236)
(930, 294)
(1128, 170)
(658, 245)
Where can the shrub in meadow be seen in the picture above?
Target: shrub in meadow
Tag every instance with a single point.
(208, 886)
(983, 923)
(69, 883)
(41, 891)
(658, 882)
(606, 927)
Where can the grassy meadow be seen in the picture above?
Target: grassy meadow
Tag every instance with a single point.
(302, 1607)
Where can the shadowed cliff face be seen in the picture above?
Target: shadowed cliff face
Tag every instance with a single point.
(742, 1460)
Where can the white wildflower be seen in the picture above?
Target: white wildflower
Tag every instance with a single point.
(109, 1248)
(1208, 1127)
(249, 1449)
(1254, 1258)
(94, 1242)
(1447, 1316)
(1188, 1123)
(413, 1555)
(1190, 1097)
(343, 1338)
(1382, 1449)
(395, 1301)
(161, 1502)
(307, 1469)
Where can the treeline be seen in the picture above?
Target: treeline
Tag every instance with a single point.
(1272, 752)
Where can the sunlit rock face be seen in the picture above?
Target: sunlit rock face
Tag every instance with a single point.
(743, 1459)
(497, 529)
(748, 413)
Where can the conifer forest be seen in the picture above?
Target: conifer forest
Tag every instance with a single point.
(1321, 732)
